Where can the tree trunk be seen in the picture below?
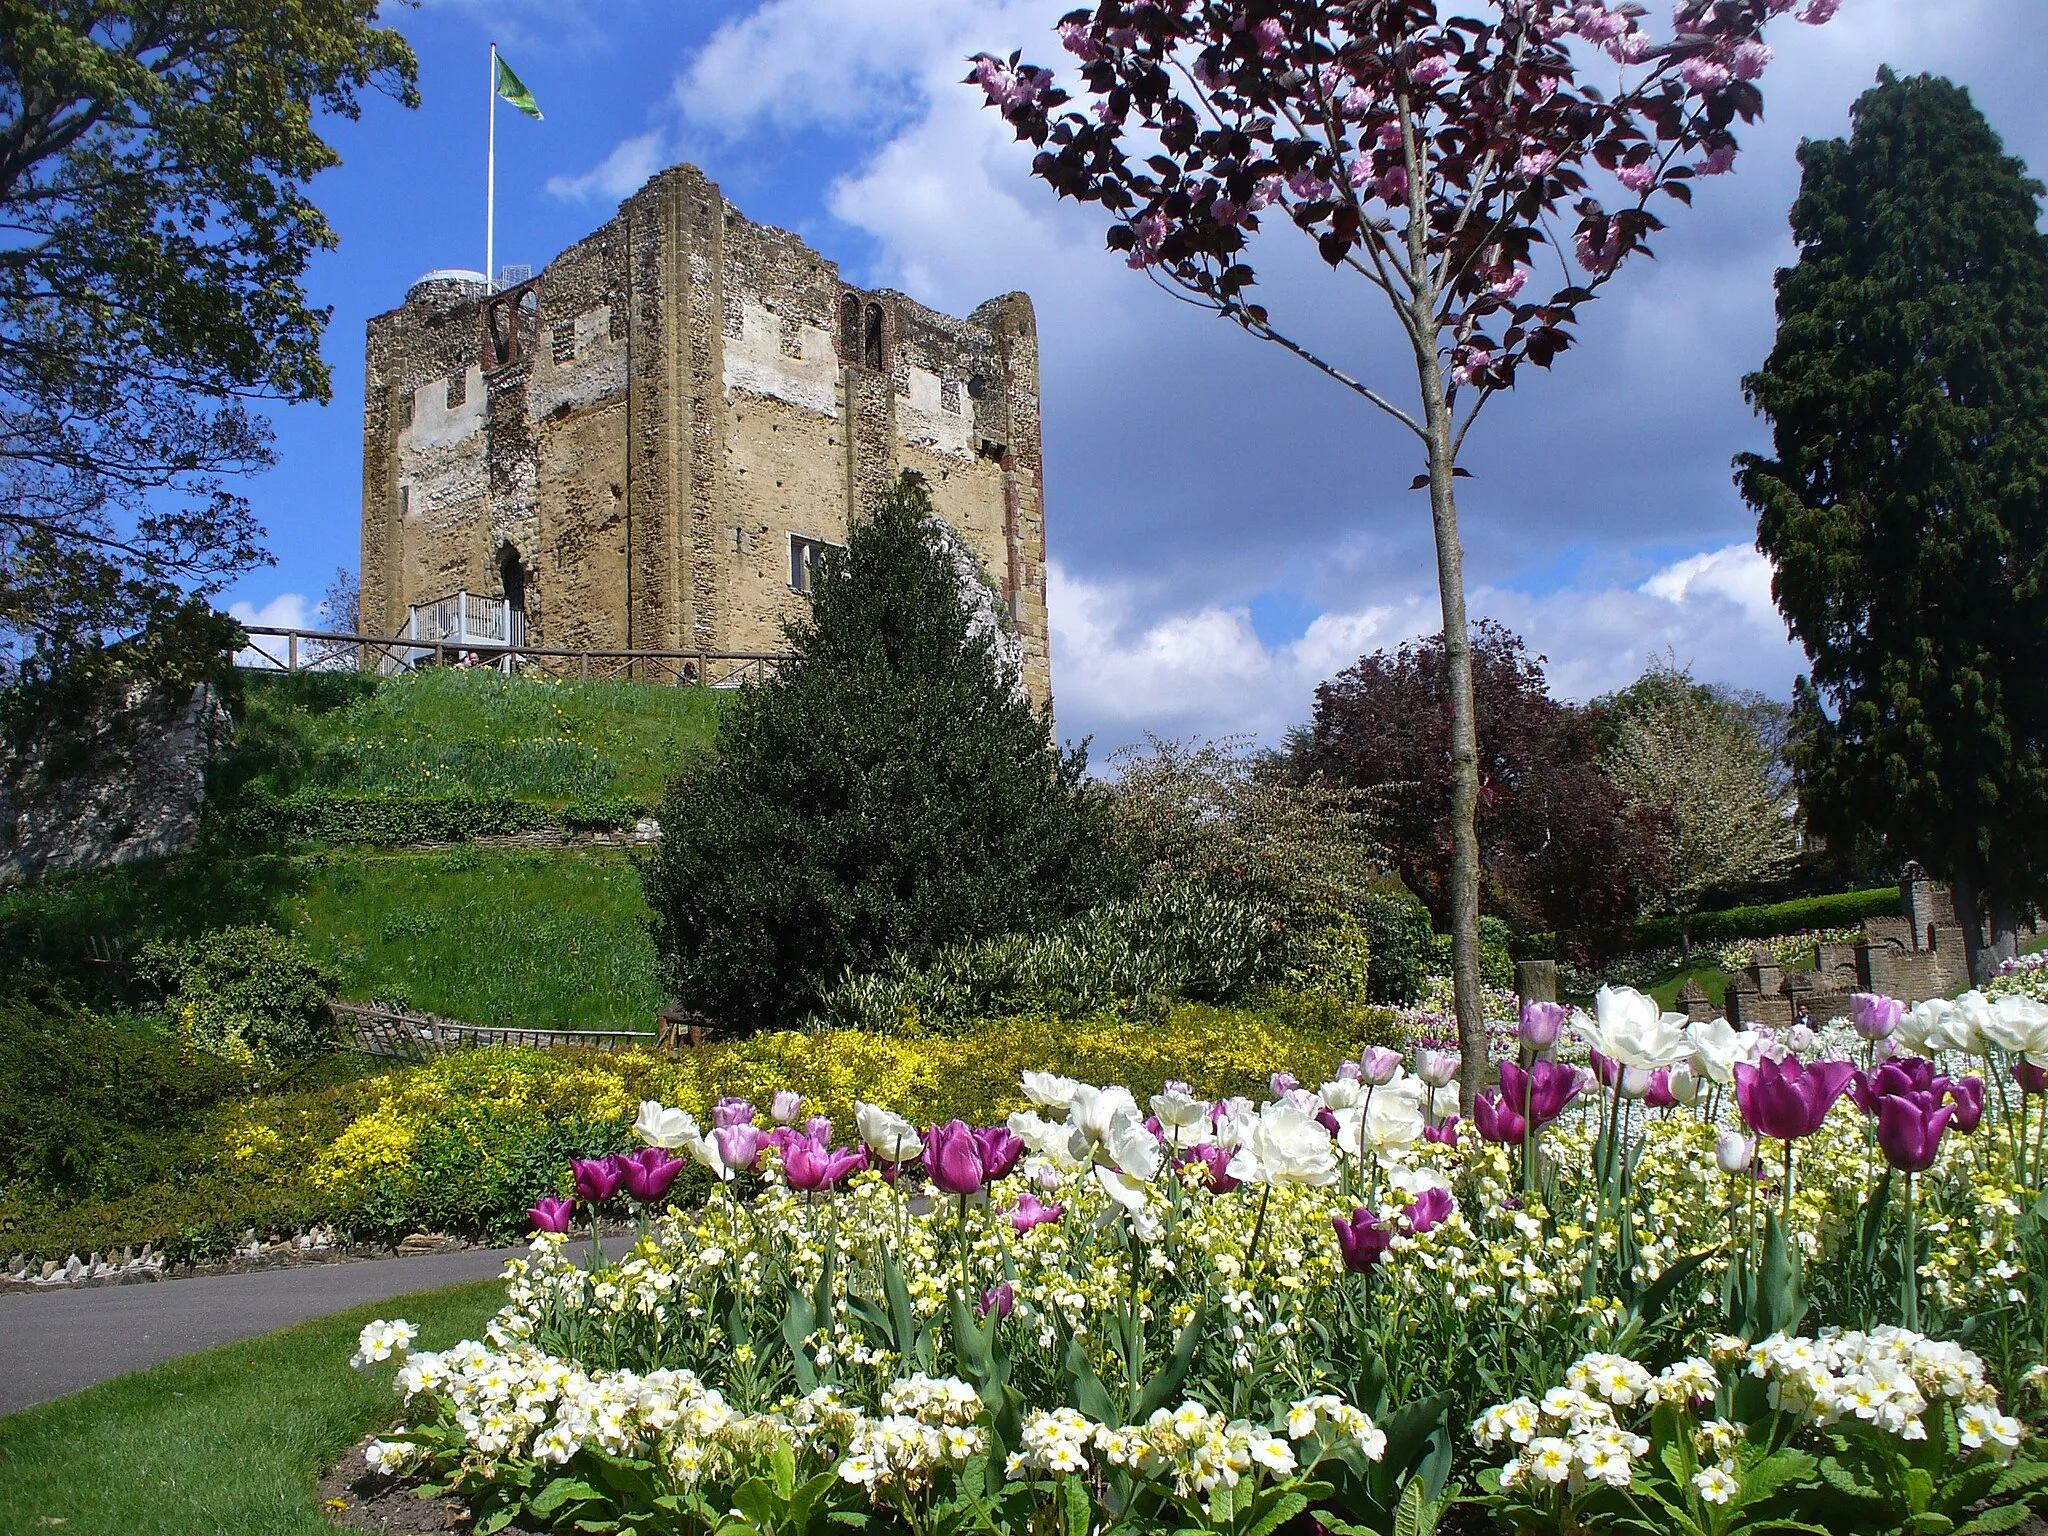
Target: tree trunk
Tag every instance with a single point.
(2005, 937)
(1970, 916)
(1463, 891)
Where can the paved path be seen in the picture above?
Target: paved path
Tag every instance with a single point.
(56, 1342)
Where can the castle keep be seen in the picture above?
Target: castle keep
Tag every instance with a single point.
(643, 446)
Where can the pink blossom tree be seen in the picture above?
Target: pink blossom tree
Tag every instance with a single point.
(1462, 164)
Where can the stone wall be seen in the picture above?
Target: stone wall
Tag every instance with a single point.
(126, 784)
(640, 436)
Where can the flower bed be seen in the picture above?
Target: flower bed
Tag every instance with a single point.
(1599, 1306)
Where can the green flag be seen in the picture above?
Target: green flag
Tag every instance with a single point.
(514, 90)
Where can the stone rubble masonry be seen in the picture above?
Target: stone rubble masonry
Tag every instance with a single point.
(638, 432)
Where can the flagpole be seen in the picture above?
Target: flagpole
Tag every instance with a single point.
(491, 178)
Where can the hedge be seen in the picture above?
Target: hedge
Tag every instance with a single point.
(1841, 910)
(327, 816)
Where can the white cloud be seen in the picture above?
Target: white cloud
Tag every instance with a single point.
(620, 174)
(1204, 670)
(287, 610)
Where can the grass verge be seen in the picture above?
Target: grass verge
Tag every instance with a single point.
(228, 1442)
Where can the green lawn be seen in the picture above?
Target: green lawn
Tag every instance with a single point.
(1707, 973)
(225, 1443)
(540, 938)
(446, 731)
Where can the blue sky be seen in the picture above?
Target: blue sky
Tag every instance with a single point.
(1225, 528)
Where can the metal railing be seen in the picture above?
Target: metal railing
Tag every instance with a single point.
(375, 1029)
(272, 649)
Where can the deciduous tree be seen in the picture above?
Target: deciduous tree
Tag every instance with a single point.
(1905, 499)
(1436, 154)
(154, 233)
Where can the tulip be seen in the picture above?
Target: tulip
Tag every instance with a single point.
(1350, 1072)
(1430, 1208)
(1363, 1240)
(1215, 1161)
(1000, 1299)
(952, 1158)
(818, 1129)
(551, 1214)
(808, 1166)
(1183, 1118)
(1875, 1016)
(1718, 1047)
(2032, 1079)
(1635, 1083)
(1787, 1101)
(1285, 1146)
(1734, 1152)
(1001, 1150)
(1282, 1084)
(1436, 1067)
(1444, 1135)
(1541, 1023)
(1496, 1121)
(739, 1144)
(1032, 1212)
(1657, 1092)
(660, 1126)
(786, 1105)
(732, 1111)
(597, 1178)
(1633, 1031)
(2018, 1025)
(1682, 1084)
(1967, 1095)
(1380, 1066)
(1541, 1092)
(1909, 1130)
(1048, 1090)
(889, 1136)
(648, 1173)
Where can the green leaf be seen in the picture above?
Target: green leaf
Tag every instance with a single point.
(1283, 1509)
(2004, 1518)
(1076, 1508)
(1163, 1387)
(1416, 1514)
(560, 1491)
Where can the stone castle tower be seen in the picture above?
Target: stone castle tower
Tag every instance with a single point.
(641, 447)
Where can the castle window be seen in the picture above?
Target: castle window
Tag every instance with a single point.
(804, 555)
(949, 395)
(849, 329)
(564, 342)
(458, 389)
(875, 339)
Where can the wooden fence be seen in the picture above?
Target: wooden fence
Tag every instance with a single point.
(297, 650)
(378, 1030)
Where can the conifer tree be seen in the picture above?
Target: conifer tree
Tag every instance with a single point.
(891, 790)
(1905, 502)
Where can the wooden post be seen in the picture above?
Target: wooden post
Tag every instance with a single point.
(291, 651)
(1536, 980)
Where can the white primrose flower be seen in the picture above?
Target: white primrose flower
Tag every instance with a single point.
(381, 1340)
(388, 1458)
(1715, 1485)
(661, 1126)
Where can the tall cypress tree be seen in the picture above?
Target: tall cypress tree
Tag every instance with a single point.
(890, 790)
(1906, 501)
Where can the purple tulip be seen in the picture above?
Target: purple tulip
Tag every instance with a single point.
(1658, 1094)
(1967, 1095)
(2032, 1079)
(648, 1173)
(1350, 1072)
(1327, 1119)
(1542, 1092)
(1900, 1074)
(1444, 1135)
(1909, 1130)
(551, 1214)
(739, 1144)
(1875, 1015)
(1786, 1100)
(597, 1178)
(1001, 1150)
(808, 1166)
(1282, 1084)
(731, 1111)
(1380, 1066)
(1000, 1299)
(1429, 1209)
(1215, 1163)
(1606, 1069)
(819, 1129)
(1032, 1212)
(1363, 1240)
(1496, 1121)
(952, 1158)
(1541, 1023)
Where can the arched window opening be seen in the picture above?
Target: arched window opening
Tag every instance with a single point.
(875, 351)
(849, 329)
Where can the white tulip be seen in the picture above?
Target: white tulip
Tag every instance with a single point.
(1049, 1090)
(889, 1136)
(1044, 1138)
(1718, 1047)
(1183, 1118)
(1684, 1085)
(1413, 1181)
(1342, 1093)
(660, 1126)
(2018, 1025)
(704, 1150)
(1632, 1031)
(1444, 1101)
(1733, 1152)
(1286, 1146)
